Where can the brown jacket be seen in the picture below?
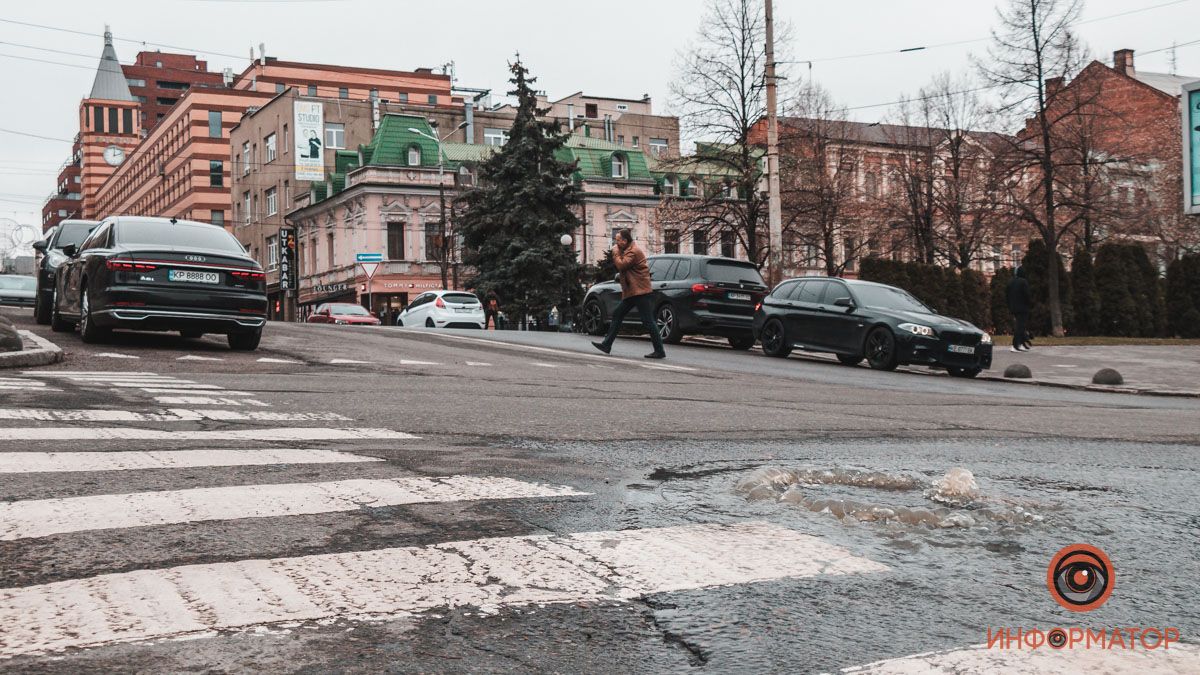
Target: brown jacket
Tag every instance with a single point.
(634, 272)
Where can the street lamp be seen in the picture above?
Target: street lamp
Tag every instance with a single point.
(441, 190)
(566, 240)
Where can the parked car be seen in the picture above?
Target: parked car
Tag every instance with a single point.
(693, 295)
(858, 319)
(66, 232)
(343, 313)
(17, 289)
(443, 309)
(160, 274)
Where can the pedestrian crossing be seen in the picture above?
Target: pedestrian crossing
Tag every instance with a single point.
(24, 384)
(165, 389)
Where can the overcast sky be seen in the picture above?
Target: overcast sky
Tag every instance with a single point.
(619, 48)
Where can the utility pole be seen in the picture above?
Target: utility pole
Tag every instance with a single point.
(774, 202)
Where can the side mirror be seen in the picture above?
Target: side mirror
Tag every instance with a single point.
(40, 246)
(70, 250)
(844, 302)
(617, 277)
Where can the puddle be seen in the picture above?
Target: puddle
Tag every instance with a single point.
(952, 500)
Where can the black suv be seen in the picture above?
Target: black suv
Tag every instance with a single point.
(51, 249)
(693, 295)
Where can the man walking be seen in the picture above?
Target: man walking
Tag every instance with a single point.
(1019, 304)
(635, 293)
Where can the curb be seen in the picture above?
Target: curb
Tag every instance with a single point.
(45, 353)
(1105, 389)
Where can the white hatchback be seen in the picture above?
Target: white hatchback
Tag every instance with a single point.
(443, 309)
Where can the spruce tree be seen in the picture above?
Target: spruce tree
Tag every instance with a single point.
(515, 217)
(1183, 296)
(1085, 301)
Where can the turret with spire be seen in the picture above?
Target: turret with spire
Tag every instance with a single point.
(110, 84)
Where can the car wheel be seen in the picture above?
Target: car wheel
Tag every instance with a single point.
(190, 334)
(399, 322)
(849, 359)
(742, 343)
(963, 372)
(244, 342)
(89, 332)
(429, 323)
(57, 323)
(593, 318)
(41, 313)
(668, 325)
(774, 339)
(881, 349)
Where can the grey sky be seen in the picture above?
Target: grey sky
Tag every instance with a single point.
(615, 48)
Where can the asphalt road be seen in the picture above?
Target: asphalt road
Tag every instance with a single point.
(367, 500)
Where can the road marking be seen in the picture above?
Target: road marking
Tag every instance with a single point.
(345, 361)
(130, 433)
(129, 460)
(175, 384)
(45, 517)
(193, 357)
(407, 362)
(543, 365)
(664, 366)
(271, 360)
(550, 350)
(169, 415)
(398, 582)
(114, 355)
(180, 390)
(71, 373)
(208, 400)
(479, 363)
(1179, 658)
(23, 384)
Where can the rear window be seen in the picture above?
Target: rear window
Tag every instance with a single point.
(349, 310)
(733, 272)
(132, 233)
(17, 283)
(462, 298)
(73, 233)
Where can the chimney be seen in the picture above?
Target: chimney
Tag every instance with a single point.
(1123, 61)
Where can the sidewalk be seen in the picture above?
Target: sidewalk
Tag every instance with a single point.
(1166, 370)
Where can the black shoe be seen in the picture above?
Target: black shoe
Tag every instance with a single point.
(602, 347)
(656, 355)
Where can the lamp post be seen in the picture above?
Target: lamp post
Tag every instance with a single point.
(566, 240)
(443, 263)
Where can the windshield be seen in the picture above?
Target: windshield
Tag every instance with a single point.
(73, 233)
(182, 235)
(733, 272)
(886, 297)
(462, 298)
(17, 283)
(348, 310)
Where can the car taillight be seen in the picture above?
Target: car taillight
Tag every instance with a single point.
(249, 276)
(129, 266)
(758, 306)
(439, 303)
(701, 288)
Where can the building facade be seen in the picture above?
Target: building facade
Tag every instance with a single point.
(158, 80)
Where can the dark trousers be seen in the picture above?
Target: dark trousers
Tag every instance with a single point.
(1019, 321)
(645, 308)
(491, 317)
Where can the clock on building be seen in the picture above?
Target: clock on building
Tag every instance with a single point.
(114, 155)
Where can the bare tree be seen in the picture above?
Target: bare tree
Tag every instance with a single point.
(1033, 53)
(720, 95)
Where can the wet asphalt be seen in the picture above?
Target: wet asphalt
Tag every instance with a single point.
(654, 447)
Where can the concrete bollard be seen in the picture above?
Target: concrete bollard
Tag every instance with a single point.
(1107, 376)
(1018, 371)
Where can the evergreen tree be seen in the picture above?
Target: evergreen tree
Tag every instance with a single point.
(977, 298)
(1118, 309)
(515, 217)
(1001, 318)
(1037, 271)
(1183, 296)
(1085, 301)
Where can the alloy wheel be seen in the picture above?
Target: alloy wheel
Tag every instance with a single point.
(666, 321)
(772, 337)
(592, 321)
(84, 311)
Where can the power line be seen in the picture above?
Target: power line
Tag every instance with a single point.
(44, 138)
(131, 41)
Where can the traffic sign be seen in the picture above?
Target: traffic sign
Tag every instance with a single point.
(368, 257)
(369, 268)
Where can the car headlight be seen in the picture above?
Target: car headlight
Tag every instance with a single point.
(916, 329)
(985, 339)
(339, 322)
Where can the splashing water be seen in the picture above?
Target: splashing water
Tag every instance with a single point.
(956, 488)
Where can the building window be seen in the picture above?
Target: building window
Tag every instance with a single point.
(246, 215)
(727, 244)
(287, 194)
(433, 241)
(217, 218)
(140, 99)
(492, 136)
(671, 241)
(670, 186)
(329, 250)
(216, 173)
(432, 99)
(163, 100)
(246, 158)
(618, 166)
(133, 82)
(269, 147)
(658, 146)
(395, 241)
(167, 84)
(402, 97)
(414, 155)
(279, 87)
(1017, 255)
(127, 121)
(636, 141)
(272, 252)
(312, 90)
(699, 243)
(285, 140)
(312, 254)
(335, 136)
(214, 123)
(851, 253)
(343, 92)
(272, 201)
(622, 107)
(590, 111)
(113, 121)
(871, 184)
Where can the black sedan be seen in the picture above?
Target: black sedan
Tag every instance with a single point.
(160, 274)
(859, 319)
(66, 233)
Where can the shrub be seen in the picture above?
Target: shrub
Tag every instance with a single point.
(1085, 301)
(1001, 318)
(1183, 296)
(1037, 265)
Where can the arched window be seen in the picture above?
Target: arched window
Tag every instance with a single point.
(414, 155)
(618, 165)
(670, 185)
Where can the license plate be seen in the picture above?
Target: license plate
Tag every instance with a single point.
(196, 277)
(739, 296)
(463, 310)
(962, 349)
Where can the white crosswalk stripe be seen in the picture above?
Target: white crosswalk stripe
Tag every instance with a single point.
(396, 582)
(131, 433)
(979, 660)
(208, 400)
(169, 415)
(44, 517)
(129, 460)
(23, 384)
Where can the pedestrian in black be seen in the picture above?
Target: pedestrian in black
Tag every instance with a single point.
(491, 310)
(1019, 304)
(634, 275)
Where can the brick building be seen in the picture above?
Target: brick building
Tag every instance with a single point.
(157, 80)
